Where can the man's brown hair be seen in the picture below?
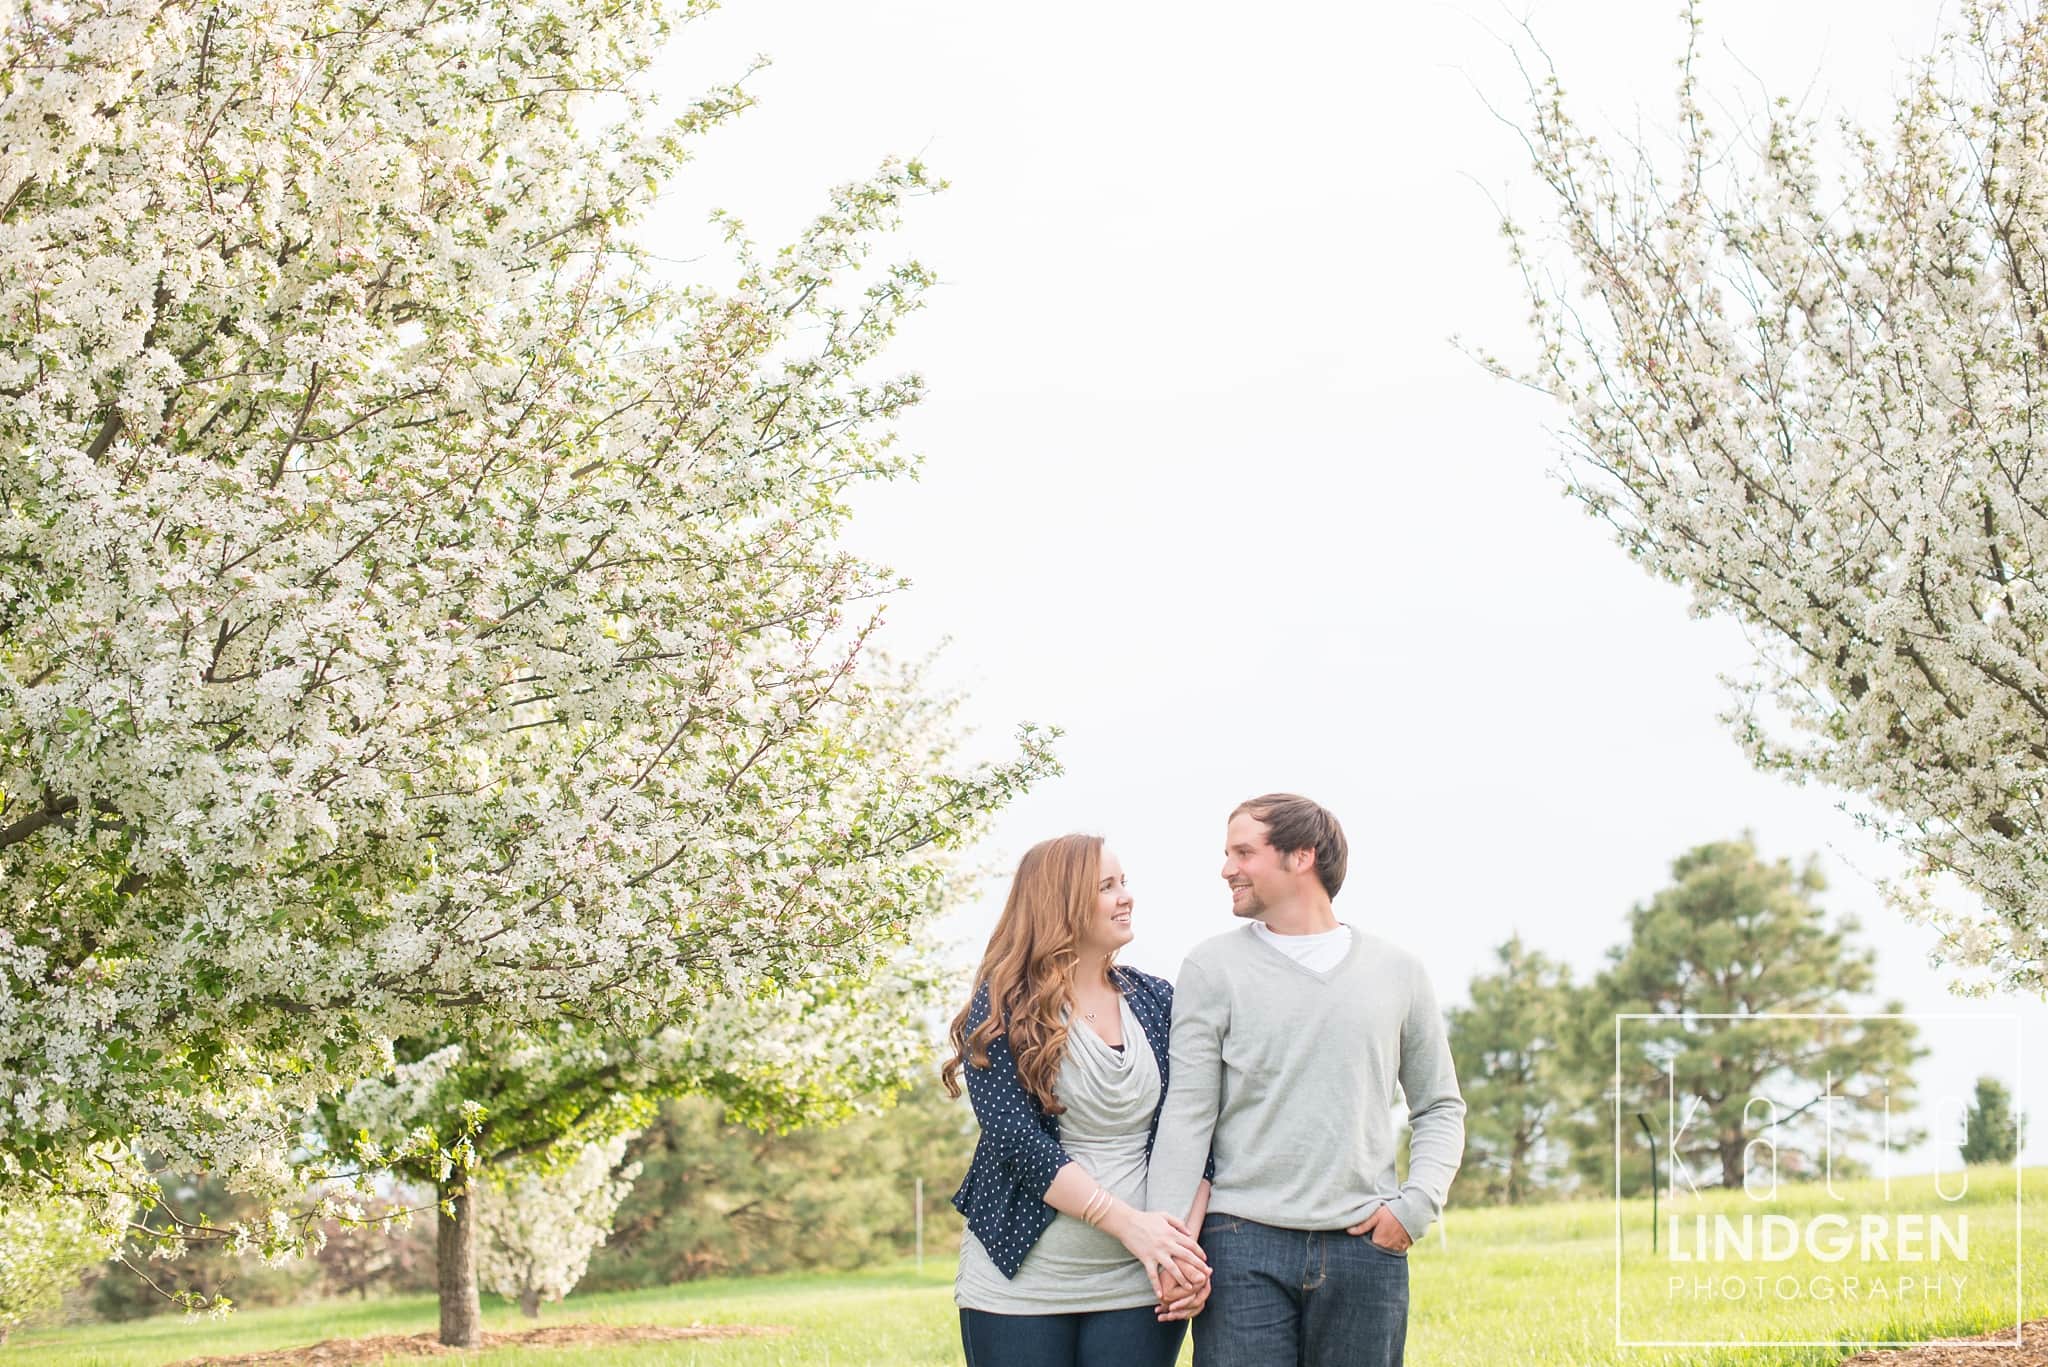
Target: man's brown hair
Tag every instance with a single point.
(1294, 823)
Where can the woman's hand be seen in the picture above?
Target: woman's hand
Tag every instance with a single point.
(1161, 1244)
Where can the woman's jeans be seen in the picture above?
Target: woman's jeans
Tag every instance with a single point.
(1299, 1298)
(1094, 1338)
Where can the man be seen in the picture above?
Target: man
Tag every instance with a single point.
(1289, 1034)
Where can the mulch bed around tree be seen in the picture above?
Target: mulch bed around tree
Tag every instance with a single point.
(1984, 1350)
(335, 1352)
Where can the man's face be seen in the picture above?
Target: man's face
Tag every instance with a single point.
(1259, 875)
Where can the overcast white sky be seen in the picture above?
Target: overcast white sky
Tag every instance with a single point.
(1208, 486)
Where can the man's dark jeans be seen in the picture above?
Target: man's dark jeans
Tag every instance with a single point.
(1300, 1298)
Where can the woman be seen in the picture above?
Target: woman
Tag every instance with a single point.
(1065, 1058)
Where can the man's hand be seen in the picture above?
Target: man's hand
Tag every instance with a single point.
(1182, 1299)
(1160, 1243)
(1383, 1229)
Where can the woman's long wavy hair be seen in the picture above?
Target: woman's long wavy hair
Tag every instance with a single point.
(1030, 963)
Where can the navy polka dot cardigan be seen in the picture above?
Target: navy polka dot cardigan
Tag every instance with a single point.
(1019, 1151)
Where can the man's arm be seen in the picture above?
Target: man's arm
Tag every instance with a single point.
(1436, 1112)
(1188, 1122)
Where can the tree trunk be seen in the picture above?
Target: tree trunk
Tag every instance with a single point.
(1732, 1162)
(1520, 1147)
(455, 1265)
(529, 1303)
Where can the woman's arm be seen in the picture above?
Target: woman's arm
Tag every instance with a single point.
(1008, 1115)
(1157, 1240)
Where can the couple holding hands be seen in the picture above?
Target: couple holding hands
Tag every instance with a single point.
(1252, 1102)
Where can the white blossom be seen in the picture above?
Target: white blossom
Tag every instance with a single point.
(46, 1243)
(536, 1230)
(1816, 399)
(414, 613)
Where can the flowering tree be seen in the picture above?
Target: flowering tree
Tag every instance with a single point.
(537, 1230)
(244, 1254)
(413, 613)
(43, 1248)
(520, 1109)
(1816, 400)
(381, 1250)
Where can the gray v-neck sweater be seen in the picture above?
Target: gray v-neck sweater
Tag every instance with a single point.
(1289, 1074)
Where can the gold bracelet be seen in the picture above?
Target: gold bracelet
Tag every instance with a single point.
(1095, 1216)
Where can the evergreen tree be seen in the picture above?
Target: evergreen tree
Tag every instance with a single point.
(1716, 962)
(1991, 1132)
(1506, 1044)
(719, 1198)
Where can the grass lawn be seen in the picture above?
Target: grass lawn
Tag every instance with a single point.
(890, 1315)
(1528, 1286)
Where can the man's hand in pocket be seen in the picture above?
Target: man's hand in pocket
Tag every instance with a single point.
(1383, 1229)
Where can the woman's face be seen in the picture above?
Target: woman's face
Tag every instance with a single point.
(1109, 928)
